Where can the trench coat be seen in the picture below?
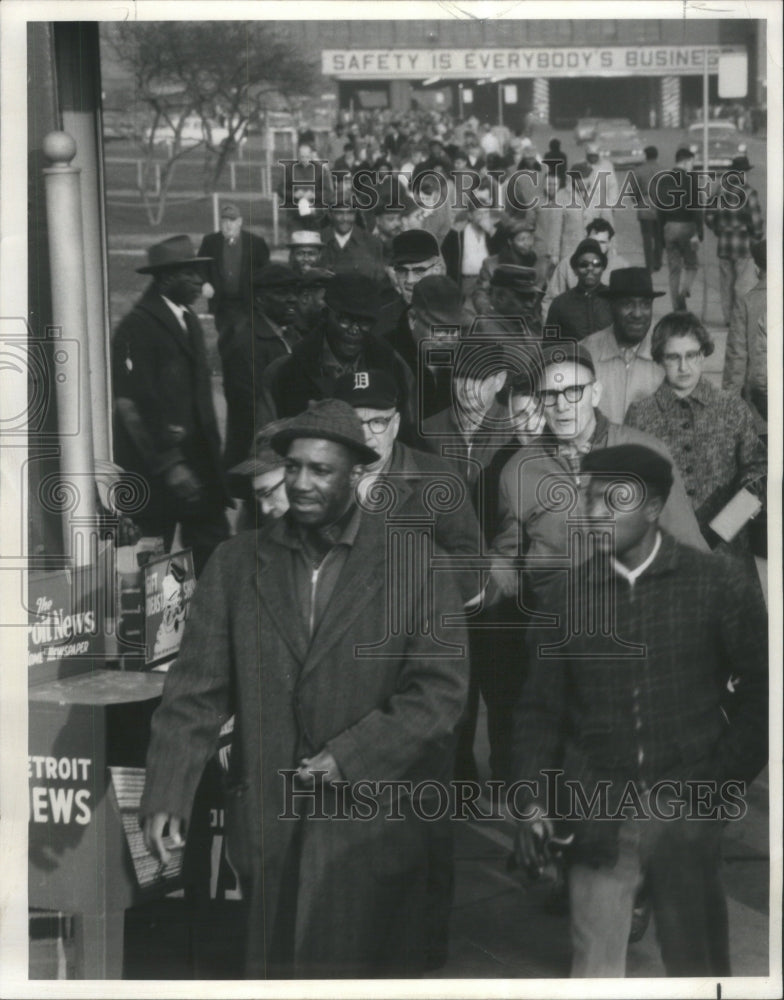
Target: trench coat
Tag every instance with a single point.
(358, 885)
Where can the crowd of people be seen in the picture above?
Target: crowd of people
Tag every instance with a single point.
(449, 425)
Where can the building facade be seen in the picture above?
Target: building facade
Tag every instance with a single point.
(500, 70)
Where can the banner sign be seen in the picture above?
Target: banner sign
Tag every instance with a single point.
(66, 616)
(637, 60)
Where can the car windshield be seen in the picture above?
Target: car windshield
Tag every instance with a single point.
(616, 136)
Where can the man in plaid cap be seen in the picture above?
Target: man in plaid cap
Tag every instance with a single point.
(286, 634)
(638, 714)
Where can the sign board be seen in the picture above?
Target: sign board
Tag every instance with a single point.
(637, 60)
(168, 588)
(66, 617)
(733, 74)
(468, 95)
(510, 93)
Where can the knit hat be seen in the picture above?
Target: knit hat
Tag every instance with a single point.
(588, 245)
(327, 420)
(632, 460)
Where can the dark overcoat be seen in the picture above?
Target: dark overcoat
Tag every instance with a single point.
(163, 406)
(358, 885)
(255, 254)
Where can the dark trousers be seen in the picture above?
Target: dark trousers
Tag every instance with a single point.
(498, 671)
(652, 243)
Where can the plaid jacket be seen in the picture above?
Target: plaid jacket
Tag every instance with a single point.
(736, 229)
(603, 709)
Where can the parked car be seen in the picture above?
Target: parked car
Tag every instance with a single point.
(619, 142)
(585, 129)
(725, 142)
(192, 132)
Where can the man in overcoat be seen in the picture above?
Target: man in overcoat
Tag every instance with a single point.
(235, 254)
(164, 418)
(293, 636)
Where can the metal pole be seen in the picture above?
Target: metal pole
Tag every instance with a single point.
(460, 100)
(71, 355)
(215, 212)
(275, 218)
(500, 104)
(705, 157)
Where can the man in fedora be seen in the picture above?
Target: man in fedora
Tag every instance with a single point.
(434, 315)
(736, 229)
(517, 290)
(269, 331)
(331, 888)
(164, 417)
(682, 226)
(518, 231)
(345, 343)
(235, 254)
(305, 249)
(622, 351)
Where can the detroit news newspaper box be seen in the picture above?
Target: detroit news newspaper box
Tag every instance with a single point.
(93, 686)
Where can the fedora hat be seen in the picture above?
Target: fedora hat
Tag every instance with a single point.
(355, 294)
(630, 283)
(327, 420)
(177, 251)
(741, 163)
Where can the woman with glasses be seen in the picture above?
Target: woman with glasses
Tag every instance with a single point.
(710, 432)
(582, 310)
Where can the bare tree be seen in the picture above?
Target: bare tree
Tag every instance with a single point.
(225, 74)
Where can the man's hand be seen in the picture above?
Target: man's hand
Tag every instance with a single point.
(530, 844)
(505, 579)
(183, 483)
(207, 290)
(153, 834)
(322, 761)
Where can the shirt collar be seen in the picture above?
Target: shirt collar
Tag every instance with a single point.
(632, 575)
(703, 393)
(610, 349)
(340, 532)
(178, 310)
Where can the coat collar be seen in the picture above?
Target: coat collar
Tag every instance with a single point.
(152, 302)
(666, 561)
(703, 393)
(362, 577)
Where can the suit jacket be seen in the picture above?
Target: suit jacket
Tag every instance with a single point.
(163, 406)
(255, 254)
(385, 716)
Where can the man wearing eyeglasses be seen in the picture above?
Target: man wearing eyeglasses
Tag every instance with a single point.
(533, 517)
(415, 255)
(344, 344)
(582, 310)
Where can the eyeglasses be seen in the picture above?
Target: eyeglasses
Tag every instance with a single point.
(348, 322)
(571, 393)
(266, 494)
(378, 425)
(593, 265)
(689, 357)
(414, 272)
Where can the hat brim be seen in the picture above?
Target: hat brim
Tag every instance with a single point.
(253, 467)
(280, 442)
(609, 294)
(153, 268)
